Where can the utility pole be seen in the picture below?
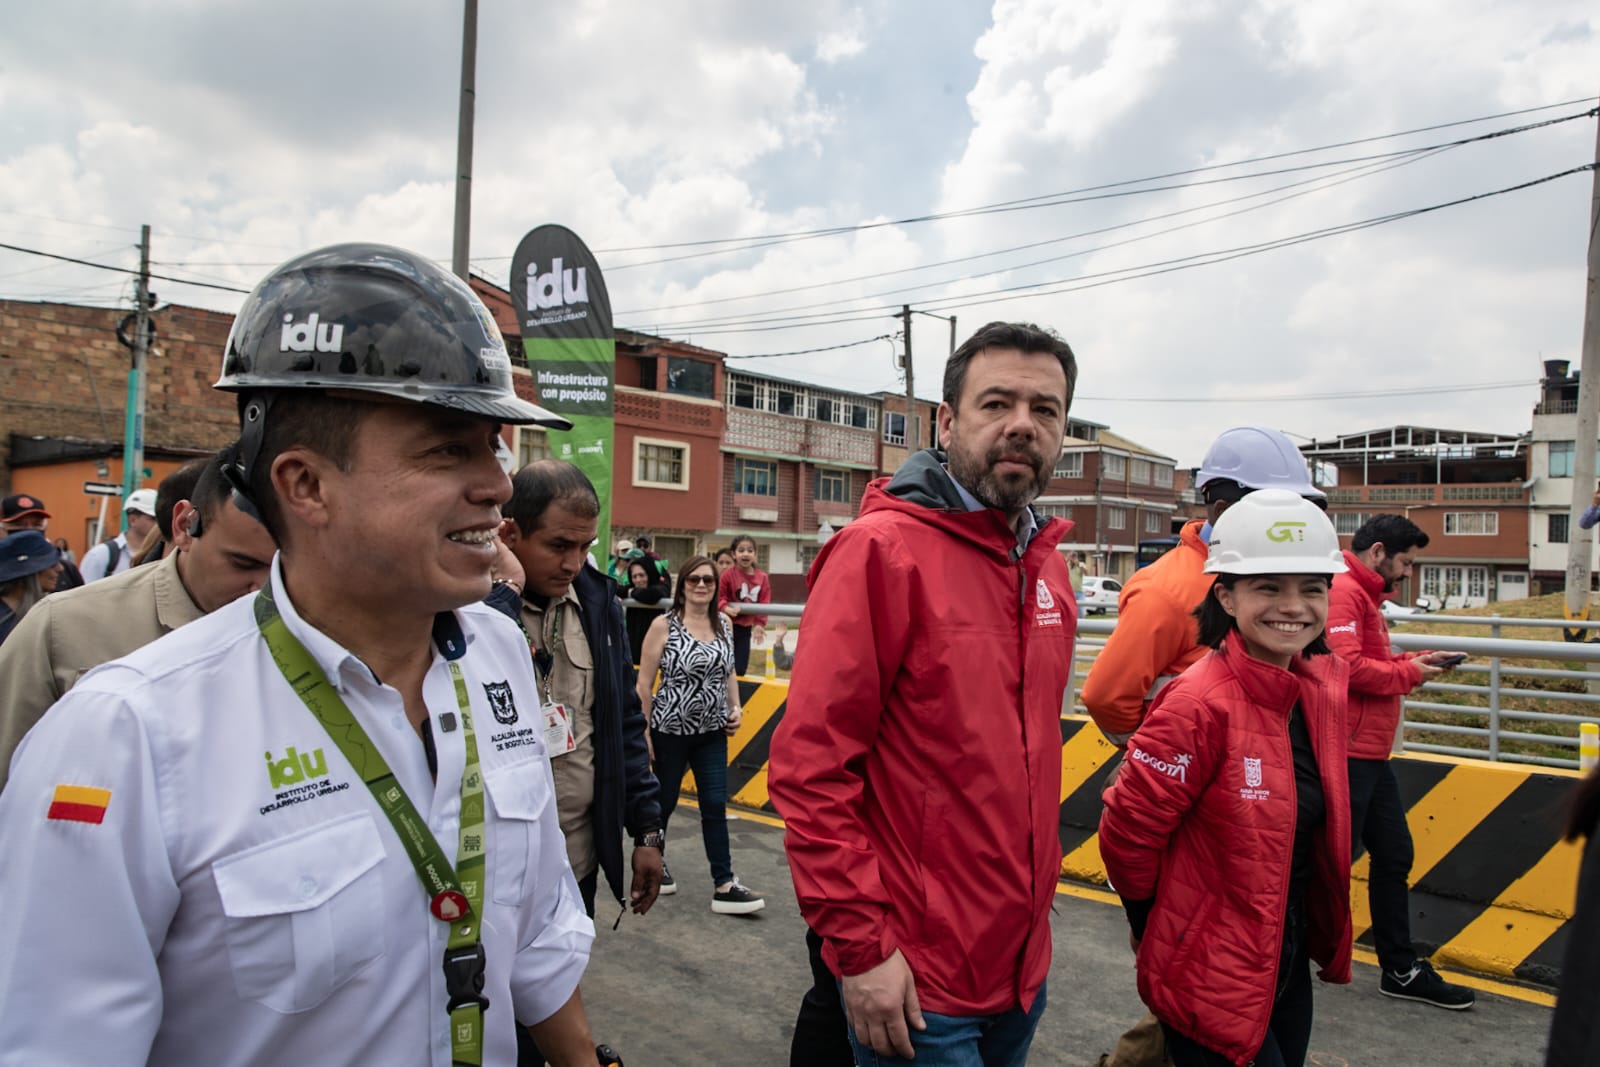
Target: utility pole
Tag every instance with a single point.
(469, 75)
(133, 425)
(1580, 542)
(913, 433)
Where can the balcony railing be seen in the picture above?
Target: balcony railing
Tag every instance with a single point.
(1455, 492)
(1557, 407)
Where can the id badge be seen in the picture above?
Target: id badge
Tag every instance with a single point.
(558, 739)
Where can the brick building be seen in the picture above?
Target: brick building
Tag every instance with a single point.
(1467, 490)
(63, 400)
(1118, 493)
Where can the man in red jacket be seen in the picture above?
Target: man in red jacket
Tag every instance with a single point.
(1380, 556)
(918, 764)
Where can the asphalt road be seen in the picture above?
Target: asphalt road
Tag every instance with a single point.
(684, 986)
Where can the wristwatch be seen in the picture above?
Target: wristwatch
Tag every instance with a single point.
(656, 839)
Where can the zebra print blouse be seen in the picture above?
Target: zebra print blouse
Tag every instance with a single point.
(693, 695)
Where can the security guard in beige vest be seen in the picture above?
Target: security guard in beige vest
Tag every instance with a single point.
(221, 554)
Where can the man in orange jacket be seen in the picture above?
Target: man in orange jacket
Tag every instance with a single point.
(1380, 556)
(1156, 639)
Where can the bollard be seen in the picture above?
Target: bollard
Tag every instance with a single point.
(772, 667)
(1588, 746)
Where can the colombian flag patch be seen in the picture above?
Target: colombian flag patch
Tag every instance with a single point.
(79, 803)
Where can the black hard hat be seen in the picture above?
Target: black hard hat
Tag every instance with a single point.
(376, 319)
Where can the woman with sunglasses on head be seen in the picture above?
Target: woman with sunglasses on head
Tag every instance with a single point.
(692, 714)
(1227, 830)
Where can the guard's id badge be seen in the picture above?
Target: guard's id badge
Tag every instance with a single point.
(558, 739)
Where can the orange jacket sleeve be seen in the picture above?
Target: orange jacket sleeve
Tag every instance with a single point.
(1154, 631)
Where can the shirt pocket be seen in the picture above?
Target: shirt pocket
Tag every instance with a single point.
(302, 915)
(521, 793)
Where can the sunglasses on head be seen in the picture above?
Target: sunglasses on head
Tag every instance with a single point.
(700, 579)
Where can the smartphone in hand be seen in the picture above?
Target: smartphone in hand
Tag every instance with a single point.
(1452, 660)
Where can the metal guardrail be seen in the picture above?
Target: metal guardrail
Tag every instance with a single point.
(1487, 701)
(1490, 699)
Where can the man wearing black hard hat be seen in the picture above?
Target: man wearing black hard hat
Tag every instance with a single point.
(319, 824)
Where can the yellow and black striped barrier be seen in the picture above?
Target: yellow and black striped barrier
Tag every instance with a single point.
(1493, 885)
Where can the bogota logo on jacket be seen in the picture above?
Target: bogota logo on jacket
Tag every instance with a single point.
(501, 702)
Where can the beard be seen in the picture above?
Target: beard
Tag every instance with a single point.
(1009, 494)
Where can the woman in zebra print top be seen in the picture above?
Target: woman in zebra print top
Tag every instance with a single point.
(692, 714)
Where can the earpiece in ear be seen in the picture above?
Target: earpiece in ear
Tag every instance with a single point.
(194, 524)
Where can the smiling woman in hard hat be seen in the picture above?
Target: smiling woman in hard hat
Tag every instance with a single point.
(1228, 831)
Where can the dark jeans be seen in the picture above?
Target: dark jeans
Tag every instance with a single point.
(707, 756)
(999, 1040)
(741, 648)
(1378, 821)
(821, 1031)
(528, 1054)
(1289, 1028)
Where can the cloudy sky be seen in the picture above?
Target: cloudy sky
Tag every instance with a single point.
(1124, 138)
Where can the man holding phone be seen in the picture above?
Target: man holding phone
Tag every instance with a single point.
(1380, 556)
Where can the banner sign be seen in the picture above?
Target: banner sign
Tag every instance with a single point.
(570, 343)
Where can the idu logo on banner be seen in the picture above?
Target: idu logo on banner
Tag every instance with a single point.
(556, 287)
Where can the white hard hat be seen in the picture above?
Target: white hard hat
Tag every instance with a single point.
(142, 501)
(1274, 531)
(1257, 457)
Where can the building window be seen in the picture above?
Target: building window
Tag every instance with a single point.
(1561, 459)
(1152, 522)
(1559, 529)
(744, 394)
(691, 377)
(1116, 466)
(1346, 523)
(782, 400)
(1162, 476)
(1472, 523)
(1117, 518)
(532, 445)
(1054, 511)
(1139, 471)
(833, 487)
(894, 428)
(661, 464)
(755, 477)
(1070, 465)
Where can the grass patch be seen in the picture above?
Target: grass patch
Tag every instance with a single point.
(1545, 607)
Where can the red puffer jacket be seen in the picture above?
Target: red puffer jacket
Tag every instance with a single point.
(1201, 819)
(1379, 679)
(918, 764)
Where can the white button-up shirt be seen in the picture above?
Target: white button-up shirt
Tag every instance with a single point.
(242, 899)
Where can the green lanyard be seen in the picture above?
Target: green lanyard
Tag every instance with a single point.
(454, 894)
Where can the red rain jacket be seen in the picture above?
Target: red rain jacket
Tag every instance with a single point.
(1201, 818)
(918, 764)
(1379, 679)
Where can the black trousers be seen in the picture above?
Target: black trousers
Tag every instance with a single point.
(741, 648)
(821, 1031)
(1378, 823)
(528, 1054)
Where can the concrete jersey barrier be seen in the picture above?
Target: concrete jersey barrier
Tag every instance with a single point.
(1493, 884)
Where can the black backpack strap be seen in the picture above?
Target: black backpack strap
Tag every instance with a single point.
(113, 554)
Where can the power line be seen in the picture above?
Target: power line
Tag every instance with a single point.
(1288, 398)
(121, 270)
(1086, 194)
(1363, 170)
(808, 351)
(762, 324)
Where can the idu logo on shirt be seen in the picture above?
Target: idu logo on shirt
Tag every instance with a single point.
(294, 768)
